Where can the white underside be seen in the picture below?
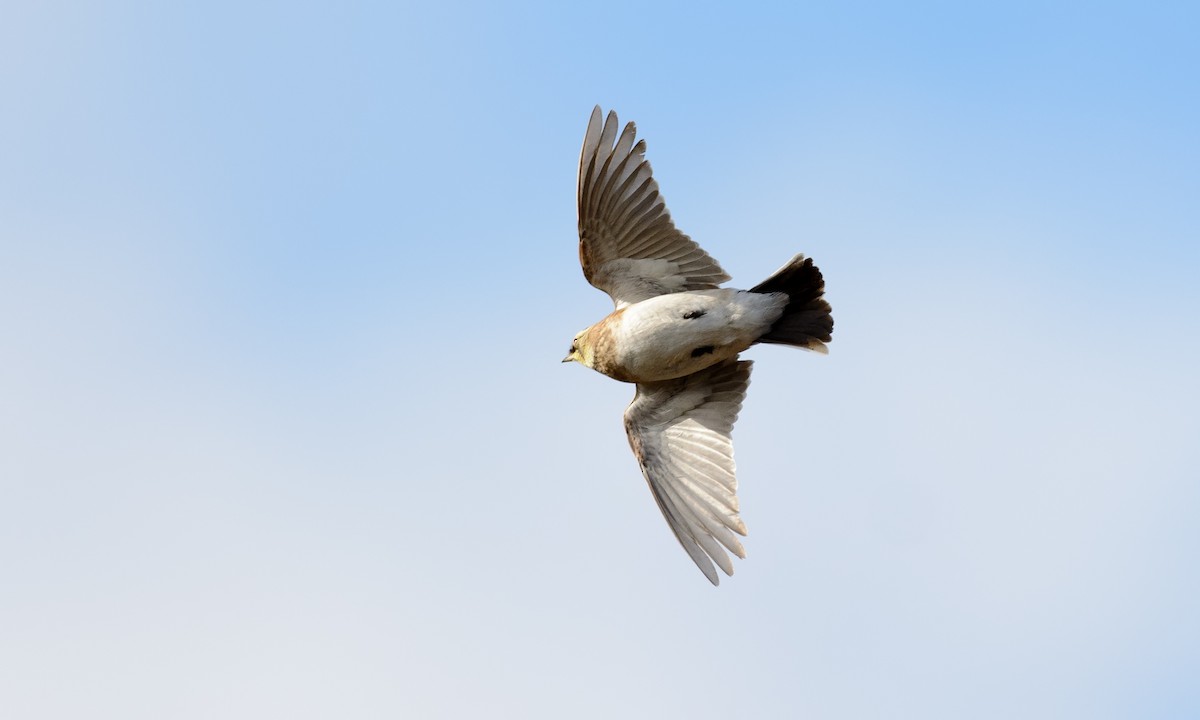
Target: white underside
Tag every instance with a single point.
(655, 341)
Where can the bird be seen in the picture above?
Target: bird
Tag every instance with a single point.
(677, 335)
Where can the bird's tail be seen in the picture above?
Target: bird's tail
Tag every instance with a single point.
(806, 321)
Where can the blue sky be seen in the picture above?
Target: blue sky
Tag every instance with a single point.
(284, 290)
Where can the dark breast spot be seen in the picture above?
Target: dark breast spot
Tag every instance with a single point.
(693, 314)
(704, 350)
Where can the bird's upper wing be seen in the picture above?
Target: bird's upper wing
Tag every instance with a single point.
(628, 246)
(680, 433)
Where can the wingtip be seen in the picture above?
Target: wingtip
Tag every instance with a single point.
(715, 578)
(705, 565)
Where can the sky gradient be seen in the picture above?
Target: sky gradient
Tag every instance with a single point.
(284, 432)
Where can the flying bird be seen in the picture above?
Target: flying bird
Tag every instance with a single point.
(677, 335)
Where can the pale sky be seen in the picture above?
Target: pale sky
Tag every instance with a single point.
(284, 432)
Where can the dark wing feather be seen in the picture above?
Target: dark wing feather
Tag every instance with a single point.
(628, 245)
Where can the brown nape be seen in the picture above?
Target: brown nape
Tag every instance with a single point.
(806, 321)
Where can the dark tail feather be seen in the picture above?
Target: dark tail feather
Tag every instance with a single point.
(806, 322)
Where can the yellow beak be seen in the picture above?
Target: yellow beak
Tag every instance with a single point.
(569, 358)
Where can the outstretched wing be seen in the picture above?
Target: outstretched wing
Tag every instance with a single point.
(680, 433)
(628, 246)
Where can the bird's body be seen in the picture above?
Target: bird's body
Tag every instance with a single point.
(669, 336)
(678, 335)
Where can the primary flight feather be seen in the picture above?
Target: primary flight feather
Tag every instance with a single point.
(677, 335)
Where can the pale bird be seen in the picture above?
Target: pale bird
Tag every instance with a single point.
(677, 335)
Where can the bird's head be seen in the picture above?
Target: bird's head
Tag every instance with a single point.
(581, 350)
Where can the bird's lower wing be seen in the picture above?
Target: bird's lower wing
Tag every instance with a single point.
(680, 432)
